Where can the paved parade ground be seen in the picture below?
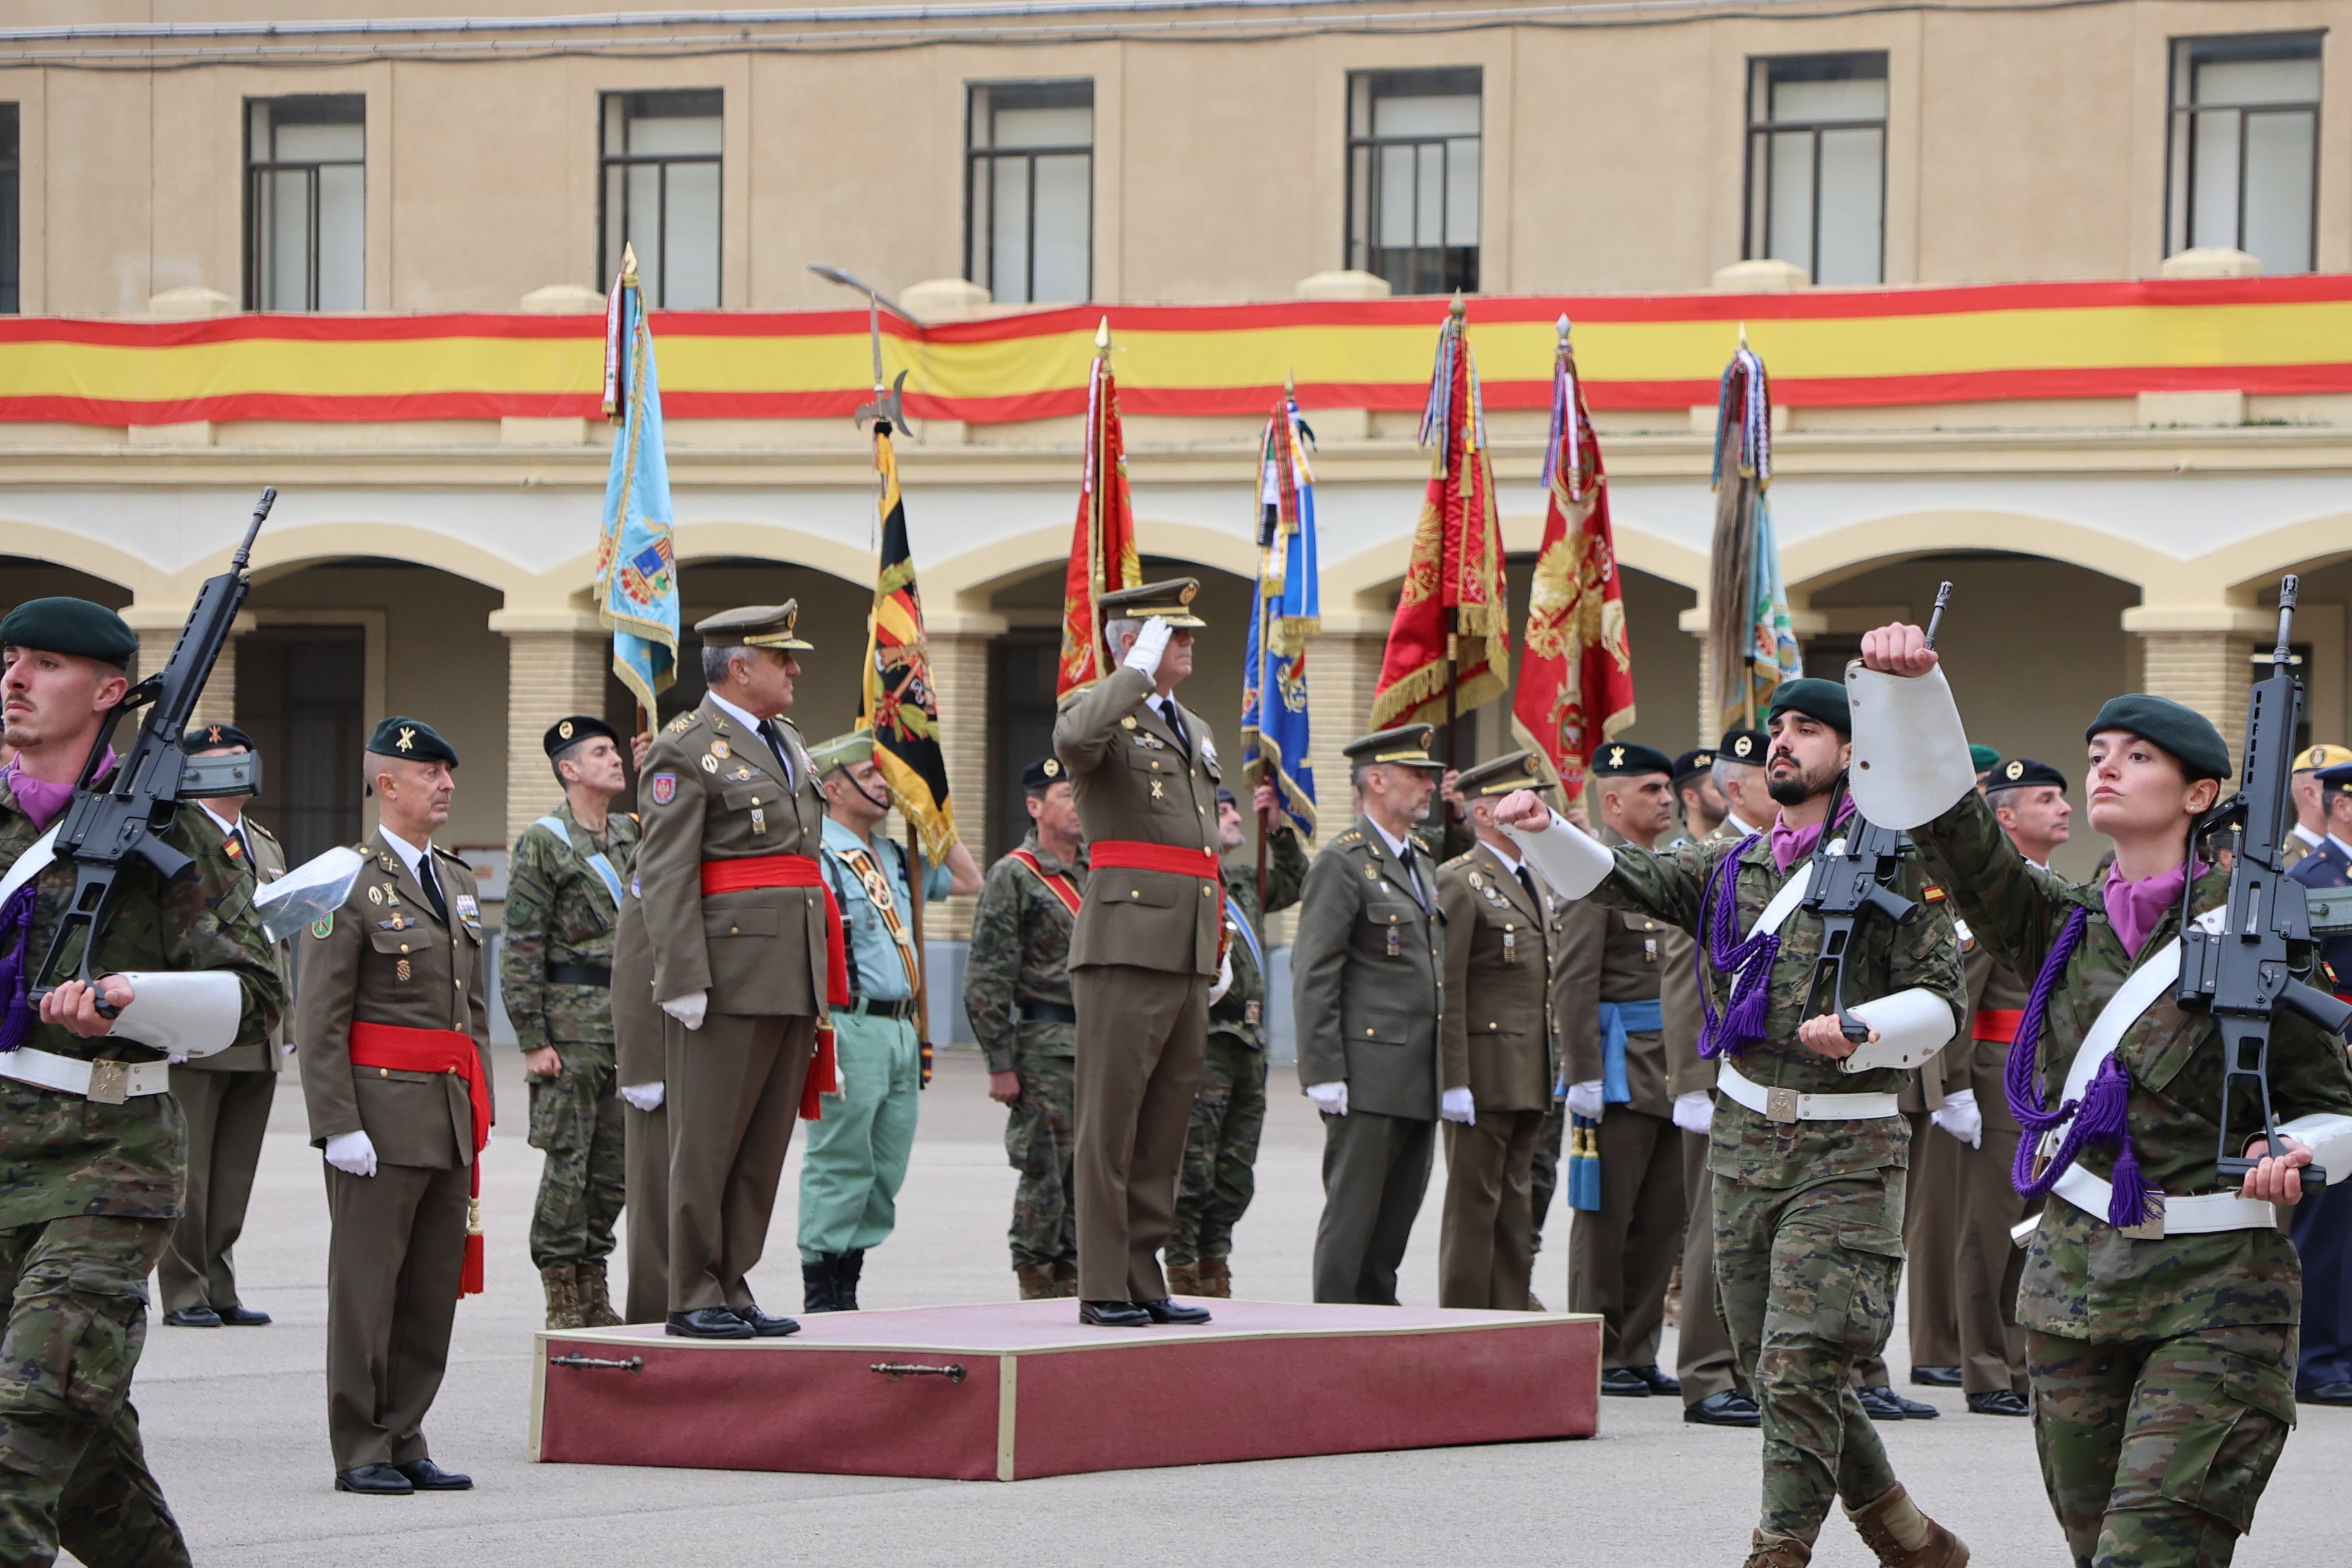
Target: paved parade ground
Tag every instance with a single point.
(236, 1424)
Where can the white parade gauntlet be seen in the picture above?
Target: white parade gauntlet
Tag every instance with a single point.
(1570, 859)
(1912, 1025)
(1911, 762)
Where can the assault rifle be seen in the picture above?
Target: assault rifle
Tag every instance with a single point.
(106, 829)
(2243, 974)
(1851, 873)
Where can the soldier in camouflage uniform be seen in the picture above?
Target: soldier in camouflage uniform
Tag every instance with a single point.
(2161, 1339)
(1220, 1177)
(1808, 1148)
(564, 883)
(1016, 992)
(90, 1187)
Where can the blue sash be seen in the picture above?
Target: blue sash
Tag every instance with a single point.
(602, 868)
(1618, 1020)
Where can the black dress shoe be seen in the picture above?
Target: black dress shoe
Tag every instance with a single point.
(767, 1325)
(1913, 1409)
(427, 1476)
(193, 1318)
(1936, 1376)
(1729, 1409)
(1112, 1315)
(1167, 1310)
(1999, 1401)
(240, 1316)
(2325, 1394)
(374, 1480)
(1880, 1403)
(1658, 1381)
(708, 1323)
(1624, 1383)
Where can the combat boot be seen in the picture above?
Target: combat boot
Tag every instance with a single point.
(1183, 1279)
(1037, 1281)
(562, 1295)
(846, 1266)
(1903, 1537)
(819, 1285)
(1217, 1279)
(595, 1300)
(1777, 1551)
(1066, 1282)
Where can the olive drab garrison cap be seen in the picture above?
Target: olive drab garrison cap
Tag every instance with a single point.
(753, 625)
(1501, 776)
(1407, 745)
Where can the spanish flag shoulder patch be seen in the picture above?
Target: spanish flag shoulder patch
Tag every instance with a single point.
(1933, 895)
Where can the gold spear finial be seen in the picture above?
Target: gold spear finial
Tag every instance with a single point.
(1459, 306)
(1743, 334)
(628, 265)
(1102, 338)
(1290, 382)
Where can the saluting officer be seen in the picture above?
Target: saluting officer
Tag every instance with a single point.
(1367, 992)
(1146, 949)
(226, 1096)
(564, 885)
(747, 955)
(393, 1025)
(1499, 1040)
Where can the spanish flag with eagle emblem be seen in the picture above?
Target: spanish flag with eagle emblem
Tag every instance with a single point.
(899, 704)
(1576, 677)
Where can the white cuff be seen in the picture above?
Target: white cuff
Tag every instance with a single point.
(185, 1013)
(1912, 1025)
(1911, 761)
(1570, 859)
(2328, 1137)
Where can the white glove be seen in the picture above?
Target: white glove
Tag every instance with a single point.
(1143, 654)
(1694, 1111)
(177, 1059)
(689, 1008)
(1330, 1098)
(1455, 1105)
(1584, 1100)
(354, 1153)
(1225, 980)
(1961, 1118)
(643, 1096)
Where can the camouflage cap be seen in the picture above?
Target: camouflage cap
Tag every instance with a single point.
(2188, 734)
(1171, 600)
(842, 751)
(753, 625)
(74, 626)
(1501, 776)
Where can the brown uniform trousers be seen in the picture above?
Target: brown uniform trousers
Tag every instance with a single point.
(1990, 1266)
(639, 1028)
(225, 1097)
(1702, 1358)
(1142, 957)
(714, 791)
(397, 1246)
(1621, 1256)
(1497, 1038)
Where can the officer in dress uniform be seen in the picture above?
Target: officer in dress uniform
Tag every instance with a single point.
(1146, 956)
(638, 1027)
(392, 1026)
(1701, 804)
(2323, 1229)
(2308, 803)
(226, 1097)
(747, 957)
(1497, 1038)
(1367, 992)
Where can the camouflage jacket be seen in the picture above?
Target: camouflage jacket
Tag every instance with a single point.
(1021, 953)
(1241, 1011)
(61, 1155)
(559, 911)
(2082, 1278)
(1924, 951)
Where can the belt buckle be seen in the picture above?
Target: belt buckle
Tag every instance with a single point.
(1780, 1105)
(110, 1082)
(2152, 1227)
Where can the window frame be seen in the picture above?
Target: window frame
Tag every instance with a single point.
(2181, 116)
(607, 161)
(974, 154)
(1760, 128)
(1364, 150)
(256, 170)
(12, 225)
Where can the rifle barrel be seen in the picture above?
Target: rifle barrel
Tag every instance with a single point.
(2288, 590)
(1936, 620)
(253, 531)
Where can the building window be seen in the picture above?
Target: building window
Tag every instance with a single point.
(1412, 178)
(301, 694)
(1029, 191)
(306, 203)
(660, 194)
(11, 301)
(1817, 165)
(2244, 153)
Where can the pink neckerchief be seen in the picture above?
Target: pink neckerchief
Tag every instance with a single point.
(45, 802)
(1791, 845)
(2135, 908)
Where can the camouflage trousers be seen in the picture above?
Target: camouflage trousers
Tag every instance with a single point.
(1219, 1177)
(72, 1471)
(2155, 1451)
(576, 1117)
(1041, 1141)
(1806, 1276)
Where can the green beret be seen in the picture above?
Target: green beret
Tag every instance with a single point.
(2188, 734)
(1822, 700)
(73, 627)
(411, 740)
(1981, 757)
(1624, 759)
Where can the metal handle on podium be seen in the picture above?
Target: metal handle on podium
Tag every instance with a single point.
(895, 1370)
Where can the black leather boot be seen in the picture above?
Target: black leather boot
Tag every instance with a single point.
(846, 1270)
(821, 1285)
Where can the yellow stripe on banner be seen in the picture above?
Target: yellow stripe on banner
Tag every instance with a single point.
(892, 617)
(288, 366)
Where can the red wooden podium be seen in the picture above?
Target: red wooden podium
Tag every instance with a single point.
(1015, 1390)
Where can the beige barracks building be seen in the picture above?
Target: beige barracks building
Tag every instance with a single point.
(2114, 471)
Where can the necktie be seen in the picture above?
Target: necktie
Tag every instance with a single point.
(1175, 725)
(1412, 875)
(431, 884)
(1529, 884)
(776, 744)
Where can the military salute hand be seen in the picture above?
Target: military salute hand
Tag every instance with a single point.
(74, 1004)
(1524, 810)
(2274, 1178)
(1897, 649)
(1143, 652)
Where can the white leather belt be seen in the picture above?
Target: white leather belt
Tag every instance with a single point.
(2200, 1215)
(109, 1083)
(1788, 1105)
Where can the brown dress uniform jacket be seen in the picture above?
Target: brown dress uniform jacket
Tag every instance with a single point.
(1498, 1034)
(1611, 955)
(1366, 1014)
(1132, 781)
(711, 791)
(254, 1052)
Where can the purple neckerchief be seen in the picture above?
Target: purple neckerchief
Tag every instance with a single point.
(2135, 908)
(42, 802)
(1791, 845)
(45, 802)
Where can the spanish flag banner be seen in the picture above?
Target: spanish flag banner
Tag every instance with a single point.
(899, 704)
(1103, 556)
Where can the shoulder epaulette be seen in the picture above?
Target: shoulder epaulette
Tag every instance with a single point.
(1462, 859)
(252, 827)
(450, 854)
(683, 723)
(1353, 836)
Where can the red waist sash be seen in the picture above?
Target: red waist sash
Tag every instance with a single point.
(756, 871)
(1997, 1026)
(1133, 854)
(402, 1050)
